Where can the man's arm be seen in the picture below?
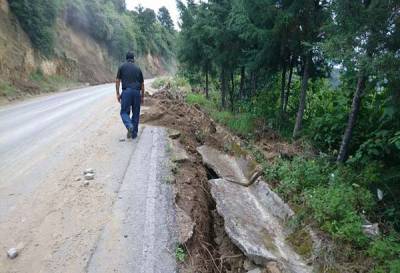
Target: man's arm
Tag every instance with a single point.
(117, 84)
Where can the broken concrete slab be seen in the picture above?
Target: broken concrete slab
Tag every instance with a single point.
(254, 220)
(237, 170)
(179, 154)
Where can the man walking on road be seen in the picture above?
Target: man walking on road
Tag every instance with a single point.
(132, 94)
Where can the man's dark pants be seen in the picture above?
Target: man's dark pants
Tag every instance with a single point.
(130, 101)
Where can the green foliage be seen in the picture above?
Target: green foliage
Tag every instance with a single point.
(239, 123)
(248, 51)
(386, 251)
(107, 21)
(50, 83)
(193, 98)
(37, 18)
(165, 19)
(335, 195)
(159, 83)
(180, 254)
(326, 116)
(6, 89)
(335, 209)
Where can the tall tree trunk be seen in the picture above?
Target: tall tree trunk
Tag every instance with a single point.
(242, 81)
(302, 105)
(232, 92)
(283, 85)
(289, 85)
(207, 89)
(223, 88)
(355, 109)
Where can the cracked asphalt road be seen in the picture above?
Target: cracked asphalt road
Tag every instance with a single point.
(123, 221)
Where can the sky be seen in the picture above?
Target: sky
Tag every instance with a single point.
(155, 5)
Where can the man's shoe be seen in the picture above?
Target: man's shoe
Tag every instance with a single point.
(130, 133)
(134, 136)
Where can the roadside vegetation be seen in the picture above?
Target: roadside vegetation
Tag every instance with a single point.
(320, 72)
(7, 90)
(51, 83)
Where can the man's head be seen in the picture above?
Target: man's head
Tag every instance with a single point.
(130, 56)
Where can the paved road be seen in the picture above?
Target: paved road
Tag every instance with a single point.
(123, 221)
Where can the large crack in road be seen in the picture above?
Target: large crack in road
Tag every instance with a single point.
(123, 221)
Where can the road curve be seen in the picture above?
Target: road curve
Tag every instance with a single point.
(123, 221)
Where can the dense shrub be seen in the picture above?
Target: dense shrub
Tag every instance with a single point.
(37, 18)
(387, 252)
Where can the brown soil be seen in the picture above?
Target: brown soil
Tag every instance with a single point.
(209, 249)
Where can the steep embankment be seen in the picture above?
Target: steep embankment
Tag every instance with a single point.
(78, 58)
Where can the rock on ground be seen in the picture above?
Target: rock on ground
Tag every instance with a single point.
(89, 176)
(185, 225)
(236, 170)
(12, 253)
(255, 223)
(179, 155)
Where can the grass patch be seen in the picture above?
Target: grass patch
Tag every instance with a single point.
(50, 83)
(239, 123)
(175, 84)
(7, 90)
(335, 199)
(159, 83)
(301, 242)
(180, 253)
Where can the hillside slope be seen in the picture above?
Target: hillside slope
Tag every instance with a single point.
(78, 58)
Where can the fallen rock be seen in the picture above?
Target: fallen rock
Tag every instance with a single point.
(86, 184)
(371, 230)
(88, 171)
(78, 179)
(241, 170)
(185, 225)
(256, 223)
(174, 134)
(12, 253)
(179, 154)
(122, 139)
(89, 176)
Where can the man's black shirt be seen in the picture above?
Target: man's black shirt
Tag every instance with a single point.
(130, 75)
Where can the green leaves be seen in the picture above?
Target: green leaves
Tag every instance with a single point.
(37, 18)
(396, 140)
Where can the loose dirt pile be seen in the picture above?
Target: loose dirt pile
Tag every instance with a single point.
(209, 249)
